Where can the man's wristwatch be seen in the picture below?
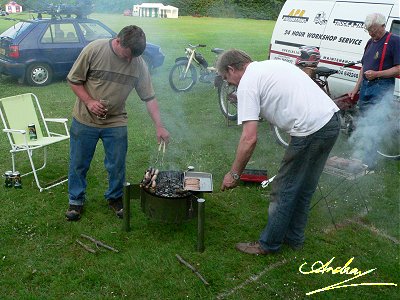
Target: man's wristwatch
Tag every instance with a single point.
(235, 176)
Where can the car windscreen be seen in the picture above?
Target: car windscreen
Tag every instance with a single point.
(15, 30)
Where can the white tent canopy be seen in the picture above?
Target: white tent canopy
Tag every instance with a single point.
(155, 10)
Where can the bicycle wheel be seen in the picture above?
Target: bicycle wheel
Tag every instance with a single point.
(227, 100)
(178, 80)
(281, 137)
(389, 147)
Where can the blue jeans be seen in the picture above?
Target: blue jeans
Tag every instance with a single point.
(83, 143)
(374, 91)
(294, 185)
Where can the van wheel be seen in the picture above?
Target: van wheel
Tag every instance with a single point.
(39, 74)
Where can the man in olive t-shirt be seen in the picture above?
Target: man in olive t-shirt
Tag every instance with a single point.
(102, 77)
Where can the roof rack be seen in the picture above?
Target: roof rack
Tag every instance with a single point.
(81, 9)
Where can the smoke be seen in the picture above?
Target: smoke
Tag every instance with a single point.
(375, 130)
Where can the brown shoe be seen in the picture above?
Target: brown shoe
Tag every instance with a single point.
(74, 212)
(252, 248)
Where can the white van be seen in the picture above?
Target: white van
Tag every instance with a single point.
(336, 28)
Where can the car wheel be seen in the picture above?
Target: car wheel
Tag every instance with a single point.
(149, 63)
(39, 74)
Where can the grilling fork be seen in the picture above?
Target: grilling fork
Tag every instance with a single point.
(162, 145)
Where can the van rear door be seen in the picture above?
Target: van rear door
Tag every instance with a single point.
(299, 23)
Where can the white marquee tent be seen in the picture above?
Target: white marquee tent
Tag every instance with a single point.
(155, 10)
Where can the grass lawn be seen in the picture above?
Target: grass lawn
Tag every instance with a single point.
(39, 255)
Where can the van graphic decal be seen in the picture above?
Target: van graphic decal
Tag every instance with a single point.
(348, 23)
(334, 61)
(295, 15)
(319, 36)
(320, 18)
(297, 12)
(284, 43)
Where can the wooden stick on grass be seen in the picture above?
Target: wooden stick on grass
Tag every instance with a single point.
(87, 248)
(182, 261)
(98, 243)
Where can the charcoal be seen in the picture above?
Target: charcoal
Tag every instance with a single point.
(169, 184)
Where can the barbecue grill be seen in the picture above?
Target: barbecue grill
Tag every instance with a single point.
(175, 197)
(169, 202)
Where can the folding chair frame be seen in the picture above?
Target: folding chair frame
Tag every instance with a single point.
(25, 144)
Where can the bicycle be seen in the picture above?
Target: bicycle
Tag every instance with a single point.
(183, 75)
(390, 143)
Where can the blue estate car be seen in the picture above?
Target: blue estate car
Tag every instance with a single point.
(38, 50)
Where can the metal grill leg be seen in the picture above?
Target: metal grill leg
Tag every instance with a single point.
(200, 224)
(126, 224)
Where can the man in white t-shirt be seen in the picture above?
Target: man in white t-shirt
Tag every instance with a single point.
(285, 96)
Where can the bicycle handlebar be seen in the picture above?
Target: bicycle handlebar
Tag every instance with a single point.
(198, 45)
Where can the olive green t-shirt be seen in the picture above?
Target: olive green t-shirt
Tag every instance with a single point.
(109, 77)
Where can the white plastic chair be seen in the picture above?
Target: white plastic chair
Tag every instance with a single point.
(17, 112)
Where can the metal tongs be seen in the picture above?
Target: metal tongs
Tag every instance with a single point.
(265, 183)
(162, 145)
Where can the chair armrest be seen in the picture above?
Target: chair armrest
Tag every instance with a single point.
(17, 131)
(14, 131)
(57, 120)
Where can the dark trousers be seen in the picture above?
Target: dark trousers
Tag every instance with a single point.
(294, 185)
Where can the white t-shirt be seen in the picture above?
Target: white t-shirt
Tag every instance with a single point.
(285, 96)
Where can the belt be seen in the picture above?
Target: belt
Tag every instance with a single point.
(379, 79)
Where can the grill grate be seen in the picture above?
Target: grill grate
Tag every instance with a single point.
(349, 169)
(169, 184)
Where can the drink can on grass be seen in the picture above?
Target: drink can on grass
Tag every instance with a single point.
(16, 177)
(8, 179)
